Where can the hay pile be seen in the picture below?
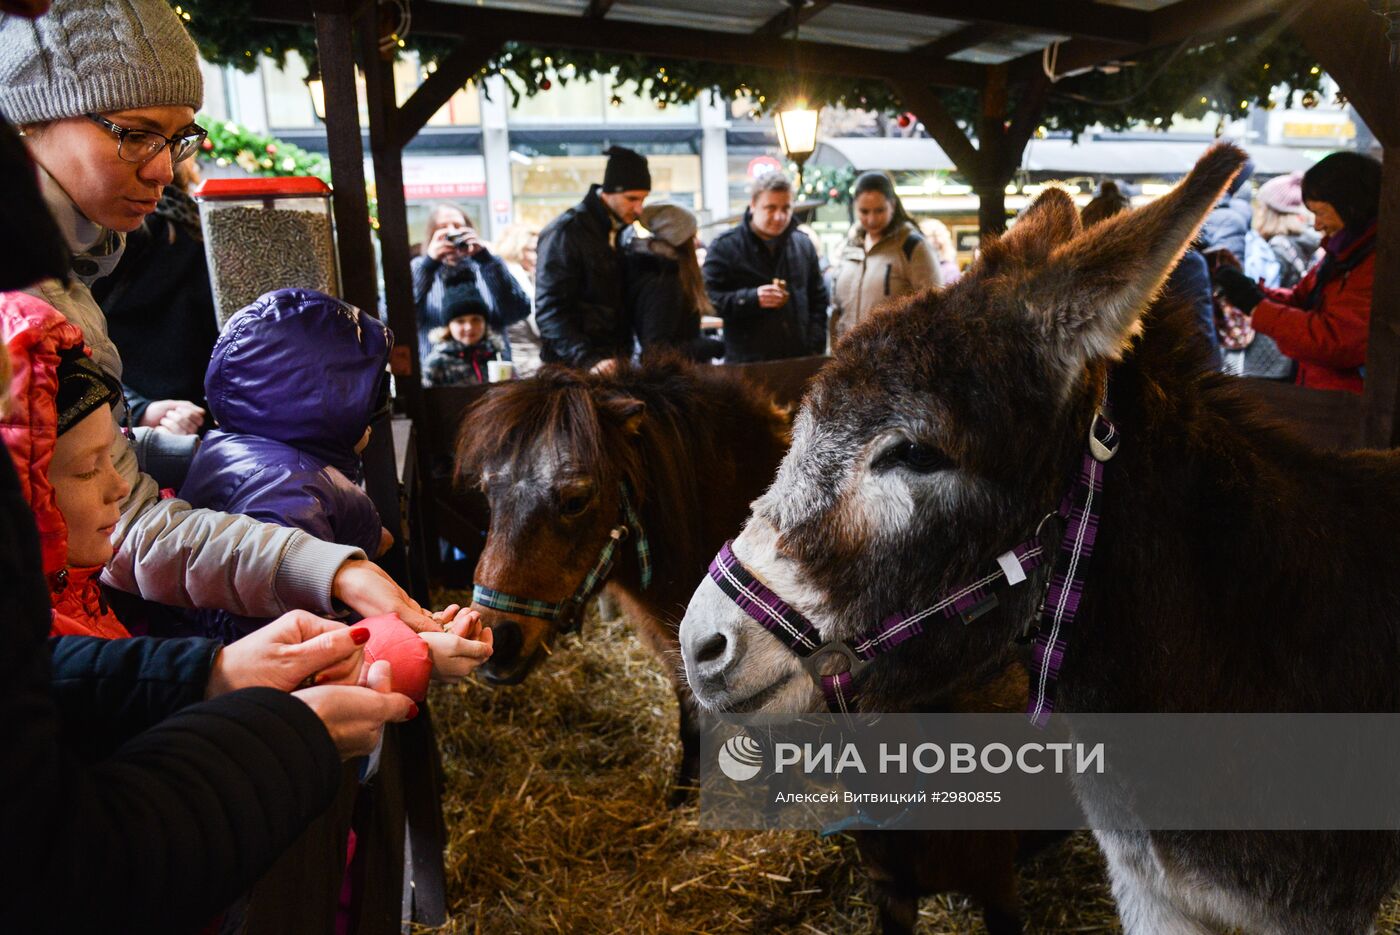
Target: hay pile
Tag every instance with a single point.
(557, 823)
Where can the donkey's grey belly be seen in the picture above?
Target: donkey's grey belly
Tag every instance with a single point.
(1261, 882)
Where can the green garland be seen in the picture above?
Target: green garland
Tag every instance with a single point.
(827, 183)
(230, 143)
(1230, 75)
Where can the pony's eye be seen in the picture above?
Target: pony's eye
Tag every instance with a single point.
(573, 506)
(913, 456)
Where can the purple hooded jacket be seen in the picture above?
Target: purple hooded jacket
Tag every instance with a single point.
(293, 383)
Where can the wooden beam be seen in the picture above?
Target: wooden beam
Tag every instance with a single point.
(924, 102)
(1189, 19)
(818, 58)
(1380, 427)
(1069, 17)
(1001, 135)
(959, 40)
(597, 9)
(782, 22)
(384, 134)
(734, 48)
(1349, 43)
(452, 73)
(336, 53)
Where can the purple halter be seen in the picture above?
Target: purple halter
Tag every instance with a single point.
(1078, 510)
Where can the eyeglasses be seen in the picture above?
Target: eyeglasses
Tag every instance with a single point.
(141, 146)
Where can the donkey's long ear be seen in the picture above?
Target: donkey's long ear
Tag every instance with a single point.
(1093, 290)
(1051, 219)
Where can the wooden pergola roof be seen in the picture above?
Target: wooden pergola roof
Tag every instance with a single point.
(916, 46)
(942, 42)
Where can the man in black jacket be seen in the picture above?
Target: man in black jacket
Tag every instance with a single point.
(578, 277)
(765, 280)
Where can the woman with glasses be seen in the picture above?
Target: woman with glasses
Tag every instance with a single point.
(105, 93)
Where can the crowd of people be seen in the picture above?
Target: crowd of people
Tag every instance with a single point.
(1279, 279)
(191, 597)
(614, 277)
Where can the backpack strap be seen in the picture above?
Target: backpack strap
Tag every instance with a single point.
(911, 243)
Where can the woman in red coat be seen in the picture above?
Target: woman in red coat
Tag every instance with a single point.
(1324, 321)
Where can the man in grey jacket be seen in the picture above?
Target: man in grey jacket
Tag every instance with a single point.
(63, 78)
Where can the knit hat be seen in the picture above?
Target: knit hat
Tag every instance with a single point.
(82, 388)
(462, 297)
(670, 223)
(1283, 193)
(626, 172)
(96, 56)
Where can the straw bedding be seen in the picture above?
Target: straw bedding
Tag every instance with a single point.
(555, 806)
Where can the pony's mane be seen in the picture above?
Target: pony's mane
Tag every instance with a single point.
(686, 426)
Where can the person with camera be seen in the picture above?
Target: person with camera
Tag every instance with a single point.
(455, 256)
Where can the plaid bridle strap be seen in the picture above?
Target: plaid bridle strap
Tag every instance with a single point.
(796, 632)
(569, 609)
(1080, 511)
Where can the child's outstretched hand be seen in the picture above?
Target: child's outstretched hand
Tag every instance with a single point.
(465, 645)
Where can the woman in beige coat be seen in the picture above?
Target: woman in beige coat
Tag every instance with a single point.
(885, 257)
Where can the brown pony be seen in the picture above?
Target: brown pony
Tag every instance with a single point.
(690, 445)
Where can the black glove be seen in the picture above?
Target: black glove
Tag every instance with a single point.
(1244, 293)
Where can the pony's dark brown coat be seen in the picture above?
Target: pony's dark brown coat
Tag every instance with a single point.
(694, 446)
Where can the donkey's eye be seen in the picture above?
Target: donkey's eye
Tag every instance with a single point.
(921, 459)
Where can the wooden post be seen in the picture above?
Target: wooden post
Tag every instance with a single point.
(1350, 44)
(393, 214)
(1002, 137)
(336, 52)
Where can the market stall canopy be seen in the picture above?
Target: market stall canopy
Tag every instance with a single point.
(1150, 157)
(1146, 157)
(894, 154)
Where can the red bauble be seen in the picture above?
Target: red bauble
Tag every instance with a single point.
(546, 84)
(832, 193)
(207, 145)
(904, 120)
(411, 664)
(271, 149)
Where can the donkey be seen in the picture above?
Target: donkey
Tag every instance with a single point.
(650, 466)
(1235, 567)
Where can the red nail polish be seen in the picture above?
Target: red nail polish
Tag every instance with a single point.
(360, 635)
(412, 710)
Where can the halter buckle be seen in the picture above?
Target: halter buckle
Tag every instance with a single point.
(840, 648)
(1100, 451)
(620, 533)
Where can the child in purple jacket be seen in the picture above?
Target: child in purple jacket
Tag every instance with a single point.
(294, 383)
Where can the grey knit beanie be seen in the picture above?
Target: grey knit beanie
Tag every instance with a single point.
(96, 56)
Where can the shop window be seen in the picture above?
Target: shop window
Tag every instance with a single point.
(634, 108)
(569, 100)
(215, 94)
(546, 186)
(288, 99)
